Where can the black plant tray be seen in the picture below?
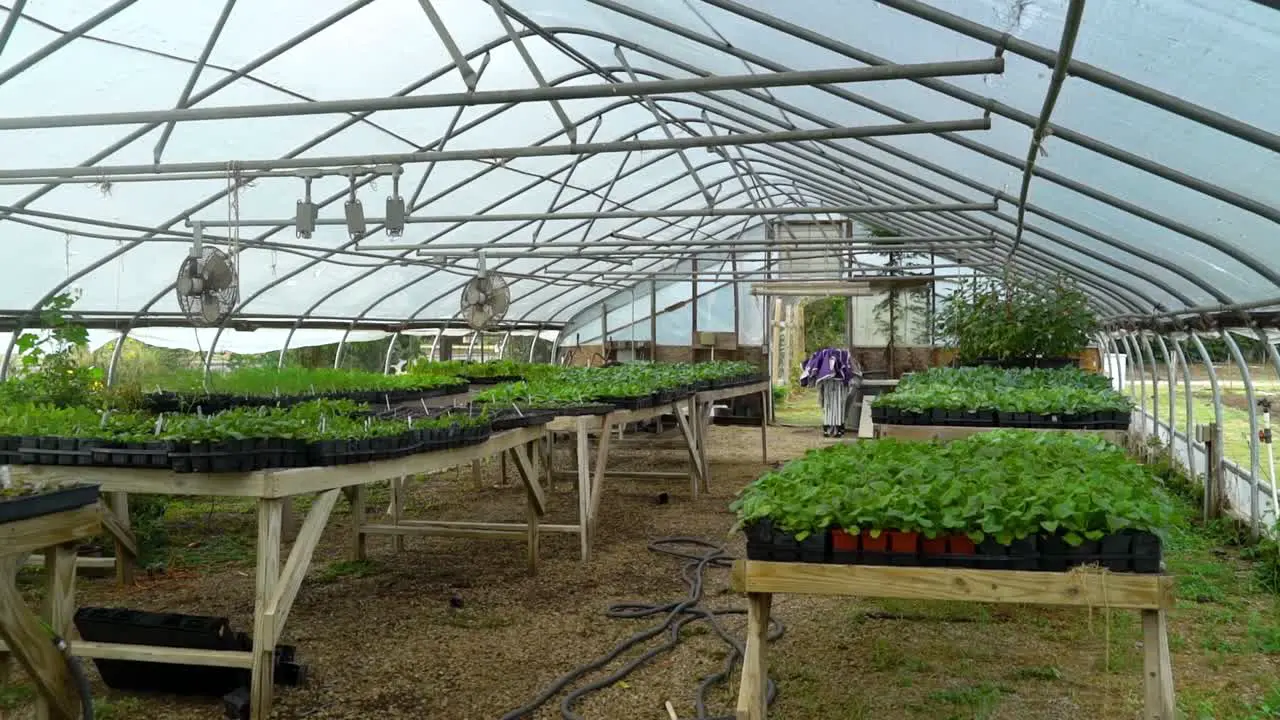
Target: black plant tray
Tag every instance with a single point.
(580, 410)
(151, 454)
(1126, 551)
(9, 454)
(627, 403)
(56, 450)
(171, 402)
(510, 419)
(47, 503)
(493, 379)
(245, 455)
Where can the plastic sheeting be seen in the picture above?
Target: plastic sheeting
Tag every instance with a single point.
(1138, 241)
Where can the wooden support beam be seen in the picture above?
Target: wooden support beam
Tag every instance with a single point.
(597, 482)
(1080, 588)
(59, 606)
(356, 496)
(96, 566)
(37, 533)
(529, 475)
(437, 531)
(694, 459)
(30, 643)
(268, 575)
(121, 534)
(582, 457)
(1157, 667)
(753, 692)
(149, 653)
(295, 569)
(535, 504)
(398, 487)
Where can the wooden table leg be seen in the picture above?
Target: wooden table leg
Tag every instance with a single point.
(1157, 668)
(582, 457)
(397, 509)
(704, 435)
(753, 692)
(270, 511)
(356, 496)
(597, 482)
(119, 504)
(765, 408)
(59, 605)
(477, 474)
(531, 509)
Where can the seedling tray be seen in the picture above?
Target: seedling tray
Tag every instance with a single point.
(1126, 551)
(580, 410)
(627, 403)
(56, 450)
(155, 454)
(47, 503)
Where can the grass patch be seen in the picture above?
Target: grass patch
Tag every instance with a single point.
(800, 407)
(121, 708)
(347, 568)
(230, 547)
(975, 701)
(1037, 672)
(15, 695)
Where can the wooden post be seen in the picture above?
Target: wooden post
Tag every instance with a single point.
(269, 516)
(766, 407)
(1157, 668)
(397, 510)
(477, 474)
(60, 604)
(502, 469)
(356, 496)
(288, 519)
(531, 508)
(597, 482)
(583, 462)
(753, 692)
(119, 504)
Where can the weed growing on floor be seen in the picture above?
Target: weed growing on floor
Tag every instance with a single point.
(346, 568)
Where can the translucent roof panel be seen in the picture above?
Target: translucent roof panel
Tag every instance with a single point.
(1153, 184)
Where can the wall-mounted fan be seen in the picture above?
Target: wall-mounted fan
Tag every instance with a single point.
(485, 299)
(208, 287)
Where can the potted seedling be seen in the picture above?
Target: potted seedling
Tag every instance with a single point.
(22, 501)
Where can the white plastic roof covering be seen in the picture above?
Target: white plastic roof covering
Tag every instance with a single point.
(1181, 220)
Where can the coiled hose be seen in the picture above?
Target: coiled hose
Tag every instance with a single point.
(675, 615)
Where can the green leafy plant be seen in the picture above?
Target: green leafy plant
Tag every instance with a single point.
(1029, 390)
(1005, 484)
(1010, 319)
(48, 369)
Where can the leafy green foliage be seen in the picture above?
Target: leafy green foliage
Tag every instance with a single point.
(47, 367)
(270, 382)
(460, 368)
(1008, 318)
(1007, 484)
(549, 386)
(1064, 390)
(314, 420)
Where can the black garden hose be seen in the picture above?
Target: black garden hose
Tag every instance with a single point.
(675, 615)
(78, 675)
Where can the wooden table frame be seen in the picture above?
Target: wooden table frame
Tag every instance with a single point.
(947, 433)
(56, 535)
(693, 418)
(277, 587)
(1152, 595)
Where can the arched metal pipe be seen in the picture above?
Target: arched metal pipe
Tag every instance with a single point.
(1219, 436)
(115, 357)
(1173, 394)
(391, 346)
(1255, 498)
(1190, 424)
(337, 355)
(1155, 383)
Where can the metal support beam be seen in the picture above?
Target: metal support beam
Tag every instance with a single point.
(1093, 74)
(62, 40)
(10, 22)
(448, 133)
(115, 357)
(633, 215)
(391, 346)
(666, 129)
(1189, 419)
(185, 97)
(501, 97)
(470, 77)
(522, 151)
(1070, 29)
(570, 129)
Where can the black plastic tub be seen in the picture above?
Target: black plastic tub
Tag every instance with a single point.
(587, 409)
(9, 454)
(47, 503)
(627, 403)
(767, 542)
(45, 450)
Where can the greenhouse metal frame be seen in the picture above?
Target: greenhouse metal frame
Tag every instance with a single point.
(566, 141)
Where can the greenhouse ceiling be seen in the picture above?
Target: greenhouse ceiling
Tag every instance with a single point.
(589, 146)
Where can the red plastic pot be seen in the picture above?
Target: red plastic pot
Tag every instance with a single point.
(874, 544)
(934, 546)
(903, 542)
(842, 541)
(961, 545)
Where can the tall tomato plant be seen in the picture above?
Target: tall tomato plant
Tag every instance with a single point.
(1007, 318)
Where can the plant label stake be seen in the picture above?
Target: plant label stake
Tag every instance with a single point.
(159, 423)
(387, 400)
(106, 414)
